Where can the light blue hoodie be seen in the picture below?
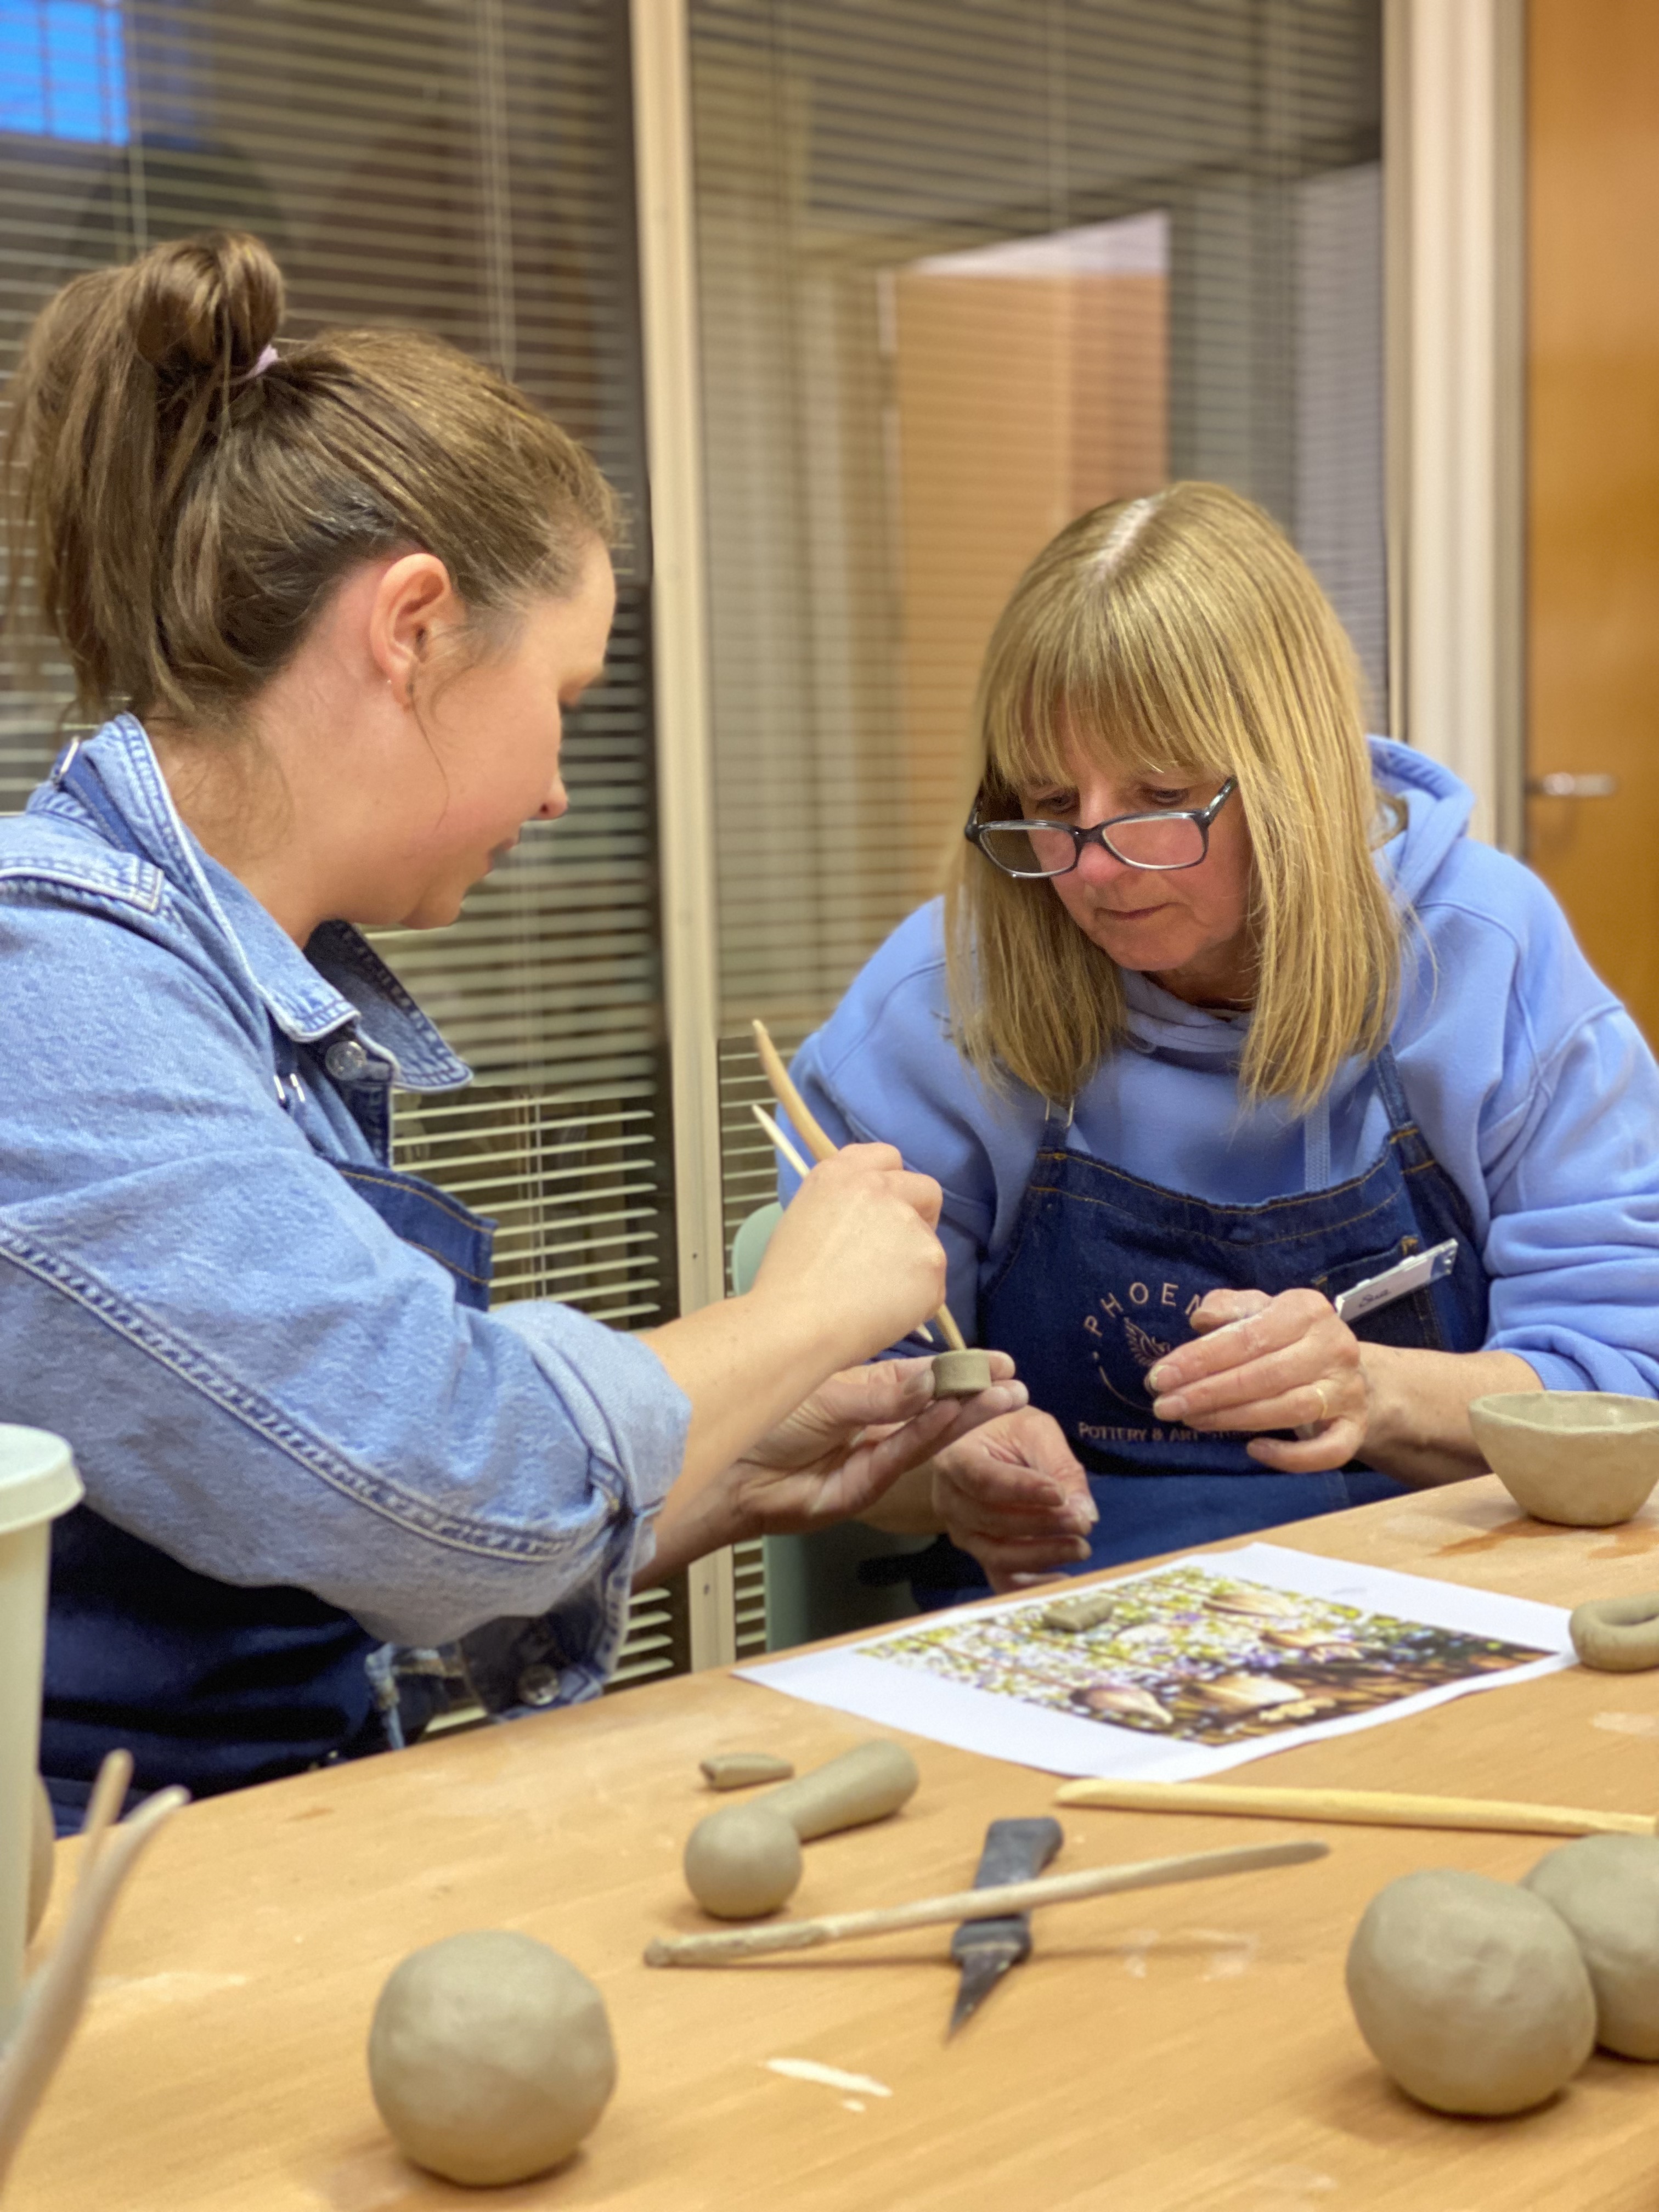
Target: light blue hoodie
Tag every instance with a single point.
(1529, 1081)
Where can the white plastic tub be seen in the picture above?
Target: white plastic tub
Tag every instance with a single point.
(37, 1482)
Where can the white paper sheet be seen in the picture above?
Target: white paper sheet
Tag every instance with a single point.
(1336, 1648)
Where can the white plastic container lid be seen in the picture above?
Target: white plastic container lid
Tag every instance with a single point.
(37, 1480)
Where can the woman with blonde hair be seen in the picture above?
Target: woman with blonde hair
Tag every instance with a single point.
(1223, 1015)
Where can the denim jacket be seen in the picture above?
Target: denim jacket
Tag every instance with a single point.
(257, 1377)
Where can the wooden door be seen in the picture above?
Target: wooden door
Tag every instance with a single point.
(1592, 479)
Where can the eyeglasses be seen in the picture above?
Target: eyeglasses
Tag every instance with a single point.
(1177, 840)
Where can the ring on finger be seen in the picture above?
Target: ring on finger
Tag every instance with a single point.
(1324, 1408)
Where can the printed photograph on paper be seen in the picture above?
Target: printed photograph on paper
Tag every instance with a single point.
(1196, 1655)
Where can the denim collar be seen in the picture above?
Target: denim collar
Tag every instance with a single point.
(339, 980)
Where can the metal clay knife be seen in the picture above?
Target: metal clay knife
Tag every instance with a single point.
(1015, 1851)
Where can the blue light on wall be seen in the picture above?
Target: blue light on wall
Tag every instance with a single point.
(63, 74)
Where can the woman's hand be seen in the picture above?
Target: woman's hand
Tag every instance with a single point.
(1271, 1363)
(834, 1456)
(856, 1248)
(1014, 1495)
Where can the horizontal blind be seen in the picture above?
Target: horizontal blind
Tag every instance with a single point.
(966, 270)
(467, 170)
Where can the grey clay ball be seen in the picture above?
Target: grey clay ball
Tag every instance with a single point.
(490, 2056)
(742, 1862)
(1607, 1890)
(1471, 1992)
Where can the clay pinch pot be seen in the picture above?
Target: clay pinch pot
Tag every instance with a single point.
(1582, 1458)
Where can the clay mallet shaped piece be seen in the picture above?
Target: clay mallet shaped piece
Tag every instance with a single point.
(745, 1860)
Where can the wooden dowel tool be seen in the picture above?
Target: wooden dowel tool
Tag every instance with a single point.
(820, 1146)
(780, 1143)
(788, 1152)
(1366, 1808)
(737, 1944)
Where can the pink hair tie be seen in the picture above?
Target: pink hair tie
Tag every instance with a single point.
(263, 362)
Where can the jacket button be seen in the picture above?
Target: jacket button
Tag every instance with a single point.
(346, 1060)
(539, 1686)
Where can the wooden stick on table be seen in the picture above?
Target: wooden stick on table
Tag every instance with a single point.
(56, 1996)
(820, 1146)
(1370, 1809)
(725, 1949)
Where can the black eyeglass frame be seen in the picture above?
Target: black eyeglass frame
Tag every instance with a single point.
(975, 832)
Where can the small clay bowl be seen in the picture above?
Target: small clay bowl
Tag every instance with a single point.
(1584, 1458)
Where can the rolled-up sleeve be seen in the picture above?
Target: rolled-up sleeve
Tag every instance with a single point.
(255, 1374)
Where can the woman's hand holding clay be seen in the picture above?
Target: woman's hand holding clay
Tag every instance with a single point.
(1262, 1363)
(853, 1439)
(856, 1248)
(1013, 1494)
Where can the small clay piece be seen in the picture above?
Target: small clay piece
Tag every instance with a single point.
(742, 1769)
(1471, 1993)
(1584, 1458)
(490, 2056)
(1619, 1635)
(743, 1860)
(960, 1374)
(1073, 1616)
(43, 1857)
(866, 1783)
(1607, 1890)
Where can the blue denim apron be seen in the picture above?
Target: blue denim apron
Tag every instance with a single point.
(206, 1683)
(1101, 1278)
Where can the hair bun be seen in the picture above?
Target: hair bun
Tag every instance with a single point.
(213, 301)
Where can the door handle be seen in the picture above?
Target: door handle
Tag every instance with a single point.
(1559, 785)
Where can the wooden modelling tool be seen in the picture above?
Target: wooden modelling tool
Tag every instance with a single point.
(728, 1948)
(1015, 1851)
(820, 1146)
(56, 1996)
(788, 1153)
(1365, 1808)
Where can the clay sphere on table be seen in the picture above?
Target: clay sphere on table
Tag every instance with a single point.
(1607, 1890)
(490, 2056)
(743, 1860)
(1584, 1458)
(1470, 1992)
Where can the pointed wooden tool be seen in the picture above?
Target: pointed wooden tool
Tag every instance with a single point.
(1365, 1808)
(818, 1144)
(728, 1947)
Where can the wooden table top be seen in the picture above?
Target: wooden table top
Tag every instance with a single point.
(1178, 2049)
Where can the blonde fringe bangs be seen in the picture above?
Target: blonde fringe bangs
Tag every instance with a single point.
(1180, 634)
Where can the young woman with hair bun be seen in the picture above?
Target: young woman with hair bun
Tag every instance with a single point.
(333, 597)
(1224, 1013)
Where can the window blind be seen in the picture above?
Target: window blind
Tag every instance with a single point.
(468, 170)
(967, 267)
